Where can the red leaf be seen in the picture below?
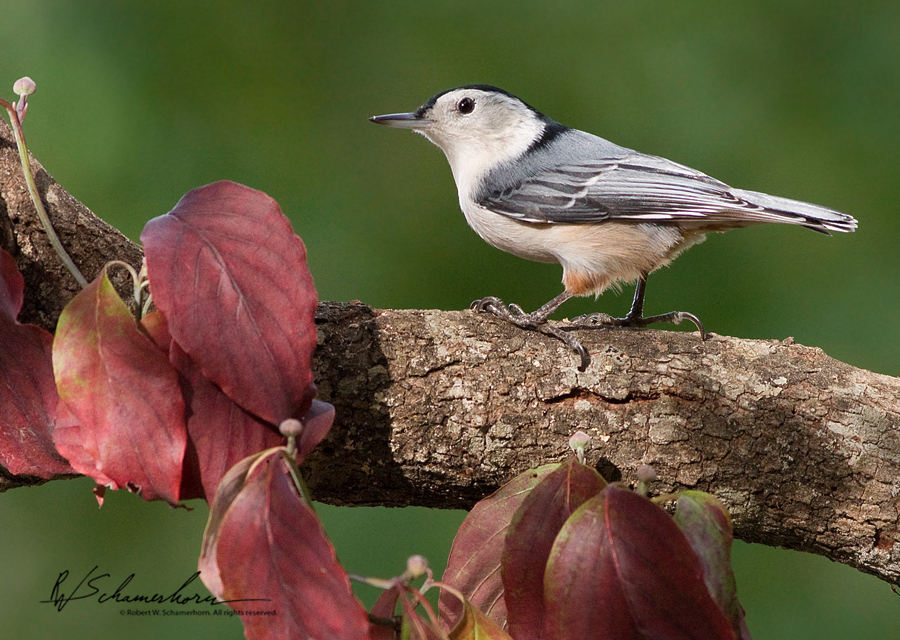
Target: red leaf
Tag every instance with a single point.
(220, 432)
(316, 425)
(530, 539)
(230, 276)
(27, 389)
(12, 286)
(229, 489)
(384, 607)
(620, 568)
(474, 564)
(123, 393)
(271, 554)
(706, 524)
(414, 626)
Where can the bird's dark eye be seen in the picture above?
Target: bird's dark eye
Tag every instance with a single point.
(466, 106)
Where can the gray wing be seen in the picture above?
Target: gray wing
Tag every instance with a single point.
(641, 188)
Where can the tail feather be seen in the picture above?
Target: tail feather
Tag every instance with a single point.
(805, 214)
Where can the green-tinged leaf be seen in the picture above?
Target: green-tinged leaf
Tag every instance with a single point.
(707, 526)
(126, 425)
(475, 625)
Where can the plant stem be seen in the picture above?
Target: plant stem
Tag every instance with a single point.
(36, 198)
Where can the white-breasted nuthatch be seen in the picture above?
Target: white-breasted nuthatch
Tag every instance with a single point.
(539, 190)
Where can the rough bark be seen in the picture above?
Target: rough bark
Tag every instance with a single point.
(438, 408)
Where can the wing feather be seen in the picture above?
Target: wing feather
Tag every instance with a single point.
(641, 188)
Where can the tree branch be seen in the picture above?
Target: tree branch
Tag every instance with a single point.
(439, 408)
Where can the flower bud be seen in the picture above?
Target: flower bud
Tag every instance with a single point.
(416, 566)
(578, 443)
(646, 473)
(291, 428)
(24, 86)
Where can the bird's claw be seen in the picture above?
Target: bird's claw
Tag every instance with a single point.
(511, 312)
(482, 304)
(593, 319)
(678, 316)
(571, 341)
(603, 319)
(536, 320)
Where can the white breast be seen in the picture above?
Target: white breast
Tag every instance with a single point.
(524, 239)
(593, 256)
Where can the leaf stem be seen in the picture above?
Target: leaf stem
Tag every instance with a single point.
(36, 198)
(297, 478)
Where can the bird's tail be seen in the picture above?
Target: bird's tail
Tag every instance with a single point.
(808, 215)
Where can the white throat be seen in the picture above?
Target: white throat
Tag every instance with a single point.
(472, 157)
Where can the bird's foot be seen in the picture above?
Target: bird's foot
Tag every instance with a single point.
(535, 320)
(603, 319)
(511, 312)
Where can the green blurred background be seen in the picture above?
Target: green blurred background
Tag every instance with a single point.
(139, 102)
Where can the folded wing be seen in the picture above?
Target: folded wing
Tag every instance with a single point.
(641, 188)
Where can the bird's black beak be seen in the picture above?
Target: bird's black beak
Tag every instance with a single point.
(402, 120)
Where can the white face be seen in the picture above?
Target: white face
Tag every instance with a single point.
(477, 129)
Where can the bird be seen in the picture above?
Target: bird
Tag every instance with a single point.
(608, 215)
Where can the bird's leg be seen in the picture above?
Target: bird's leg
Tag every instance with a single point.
(637, 303)
(635, 316)
(535, 320)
